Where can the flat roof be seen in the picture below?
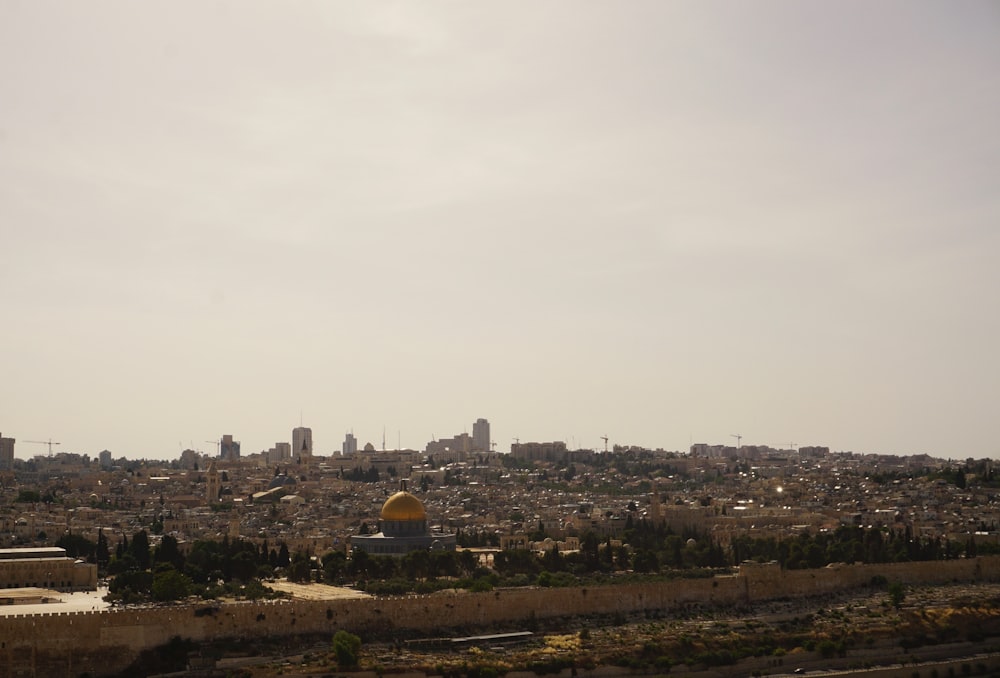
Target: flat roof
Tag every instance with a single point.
(33, 553)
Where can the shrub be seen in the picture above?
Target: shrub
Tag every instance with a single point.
(346, 647)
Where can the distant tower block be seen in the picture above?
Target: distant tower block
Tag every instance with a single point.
(6, 454)
(229, 449)
(350, 446)
(302, 444)
(481, 436)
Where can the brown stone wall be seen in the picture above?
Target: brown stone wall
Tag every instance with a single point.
(103, 643)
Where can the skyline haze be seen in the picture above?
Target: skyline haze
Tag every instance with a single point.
(665, 223)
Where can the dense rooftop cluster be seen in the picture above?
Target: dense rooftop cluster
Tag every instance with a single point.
(726, 504)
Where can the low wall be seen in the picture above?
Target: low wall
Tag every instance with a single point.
(106, 642)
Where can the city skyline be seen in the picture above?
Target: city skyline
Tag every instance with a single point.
(665, 223)
(340, 447)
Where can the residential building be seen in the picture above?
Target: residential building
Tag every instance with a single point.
(553, 451)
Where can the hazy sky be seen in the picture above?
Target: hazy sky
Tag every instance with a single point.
(667, 222)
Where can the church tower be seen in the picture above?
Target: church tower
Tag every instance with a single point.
(213, 486)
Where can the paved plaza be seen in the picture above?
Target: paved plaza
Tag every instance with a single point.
(60, 601)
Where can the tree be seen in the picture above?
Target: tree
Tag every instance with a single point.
(169, 552)
(139, 548)
(645, 561)
(243, 566)
(169, 584)
(283, 558)
(417, 564)
(204, 562)
(346, 647)
(28, 497)
(102, 553)
(897, 592)
(77, 546)
(359, 564)
(133, 581)
(467, 562)
(334, 564)
(299, 570)
(553, 560)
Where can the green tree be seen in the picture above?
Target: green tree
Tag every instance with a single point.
(243, 566)
(204, 563)
(300, 568)
(346, 647)
(359, 564)
(102, 553)
(169, 552)
(552, 561)
(645, 561)
(169, 584)
(283, 557)
(897, 593)
(28, 497)
(334, 564)
(134, 581)
(77, 546)
(126, 563)
(416, 565)
(139, 548)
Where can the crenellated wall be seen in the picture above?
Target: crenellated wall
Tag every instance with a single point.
(106, 642)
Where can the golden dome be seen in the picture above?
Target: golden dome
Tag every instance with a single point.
(403, 506)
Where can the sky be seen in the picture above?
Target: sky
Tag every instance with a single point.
(665, 222)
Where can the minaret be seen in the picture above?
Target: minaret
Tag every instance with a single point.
(213, 486)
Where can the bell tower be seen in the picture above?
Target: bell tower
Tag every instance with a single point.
(213, 486)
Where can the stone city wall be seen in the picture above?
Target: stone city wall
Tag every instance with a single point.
(103, 643)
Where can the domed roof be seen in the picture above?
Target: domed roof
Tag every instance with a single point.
(280, 481)
(403, 506)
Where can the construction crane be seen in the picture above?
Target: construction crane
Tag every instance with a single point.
(738, 439)
(605, 439)
(48, 442)
(218, 446)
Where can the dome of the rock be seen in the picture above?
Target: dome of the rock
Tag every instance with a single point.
(403, 529)
(403, 506)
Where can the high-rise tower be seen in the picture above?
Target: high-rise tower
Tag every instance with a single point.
(302, 444)
(229, 449)
(481, 436)
(6, 454)
(350, 445)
